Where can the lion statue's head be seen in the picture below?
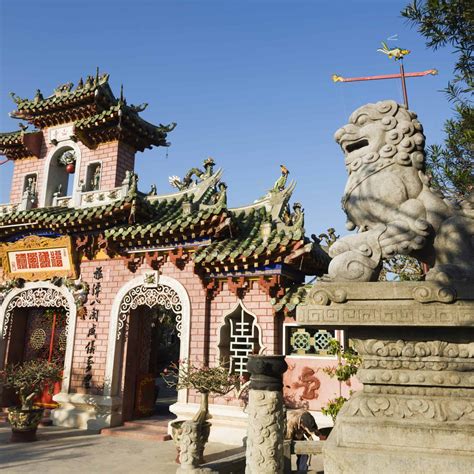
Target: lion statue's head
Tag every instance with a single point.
(383, 131)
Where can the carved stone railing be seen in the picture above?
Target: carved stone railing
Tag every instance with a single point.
(415, 412)
(63, 201)
(101, 197)
(91, 198)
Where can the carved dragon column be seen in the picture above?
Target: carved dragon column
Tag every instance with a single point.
(266, 423)
(415, 412)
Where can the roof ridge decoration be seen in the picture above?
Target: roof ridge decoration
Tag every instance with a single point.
(198, 190)
(276, 200)
(64, 96)
(187, 181)
(96, 113)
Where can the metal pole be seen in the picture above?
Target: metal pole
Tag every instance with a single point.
(404, 86)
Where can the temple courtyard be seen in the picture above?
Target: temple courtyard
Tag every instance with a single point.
(87, 452)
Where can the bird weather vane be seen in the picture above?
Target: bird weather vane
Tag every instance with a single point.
(392, 53)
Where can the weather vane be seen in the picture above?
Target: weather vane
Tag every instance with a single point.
(392, 53)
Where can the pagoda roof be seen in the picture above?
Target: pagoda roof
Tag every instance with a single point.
(65, 104)
(248, 249)
(20, 144)
(293, 296)
(97, 115)
(67, 220)
(220, 240)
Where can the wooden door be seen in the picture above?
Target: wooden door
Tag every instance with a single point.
(45, 338)
(131, 366)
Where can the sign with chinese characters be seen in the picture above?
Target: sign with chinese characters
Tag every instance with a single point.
(92, 332)
(38, 258)
(61, 134)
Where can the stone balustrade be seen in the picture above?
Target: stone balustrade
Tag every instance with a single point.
(101, 197)
(63, 201)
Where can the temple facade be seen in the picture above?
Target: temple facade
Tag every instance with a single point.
(115, 283)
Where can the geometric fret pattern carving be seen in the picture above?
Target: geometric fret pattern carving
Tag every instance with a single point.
(418, 314)
(162, 295)
(35, 297)
(309, 341)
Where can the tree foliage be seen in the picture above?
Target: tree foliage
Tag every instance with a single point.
(451, 23)
(348, 362)
(401, 268)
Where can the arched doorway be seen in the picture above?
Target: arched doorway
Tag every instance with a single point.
(149, 328)
(38, 322)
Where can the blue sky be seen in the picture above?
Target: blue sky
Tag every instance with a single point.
(248, 82)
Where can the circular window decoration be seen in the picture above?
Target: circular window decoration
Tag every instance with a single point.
(62, 341)
(37, 339)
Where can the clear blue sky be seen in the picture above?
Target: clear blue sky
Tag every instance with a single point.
(248, 82)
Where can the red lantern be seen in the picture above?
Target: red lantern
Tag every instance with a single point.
(70, 168)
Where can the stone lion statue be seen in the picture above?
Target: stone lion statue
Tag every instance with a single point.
(389, 199)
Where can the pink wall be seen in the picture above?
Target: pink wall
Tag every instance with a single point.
(116, 159)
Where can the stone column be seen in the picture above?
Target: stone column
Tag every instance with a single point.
(266, 423)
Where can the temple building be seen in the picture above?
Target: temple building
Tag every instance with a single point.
(115, 283)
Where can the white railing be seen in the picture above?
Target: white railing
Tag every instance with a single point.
(64, 201)
(99, 198)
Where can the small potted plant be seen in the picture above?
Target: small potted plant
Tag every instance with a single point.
(208, 381)
(28, 381)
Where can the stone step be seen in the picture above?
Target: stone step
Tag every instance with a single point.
(138, 432)
(161, 421)
(160, 426)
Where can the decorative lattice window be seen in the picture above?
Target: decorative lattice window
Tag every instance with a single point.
(239, 337)
(308, 341)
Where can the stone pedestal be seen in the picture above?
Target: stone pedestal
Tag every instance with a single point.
(416, 410)
(193, 439)
(266, 423)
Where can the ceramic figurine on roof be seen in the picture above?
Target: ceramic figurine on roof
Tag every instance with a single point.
(280, 183)
(187, 181)
(388, 197)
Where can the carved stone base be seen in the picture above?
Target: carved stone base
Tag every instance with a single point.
(193, 439)
(416, 410)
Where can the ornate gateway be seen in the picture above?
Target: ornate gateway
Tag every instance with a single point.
(142, 296)
(36, 297)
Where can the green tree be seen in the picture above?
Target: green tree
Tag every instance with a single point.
(451, 23)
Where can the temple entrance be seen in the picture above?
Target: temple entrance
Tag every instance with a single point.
(35, 328)
(152, 345)
(151, 341)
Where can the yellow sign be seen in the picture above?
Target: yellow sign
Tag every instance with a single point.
(38, 258)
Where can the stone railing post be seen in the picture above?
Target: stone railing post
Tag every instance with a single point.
(266, 423)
